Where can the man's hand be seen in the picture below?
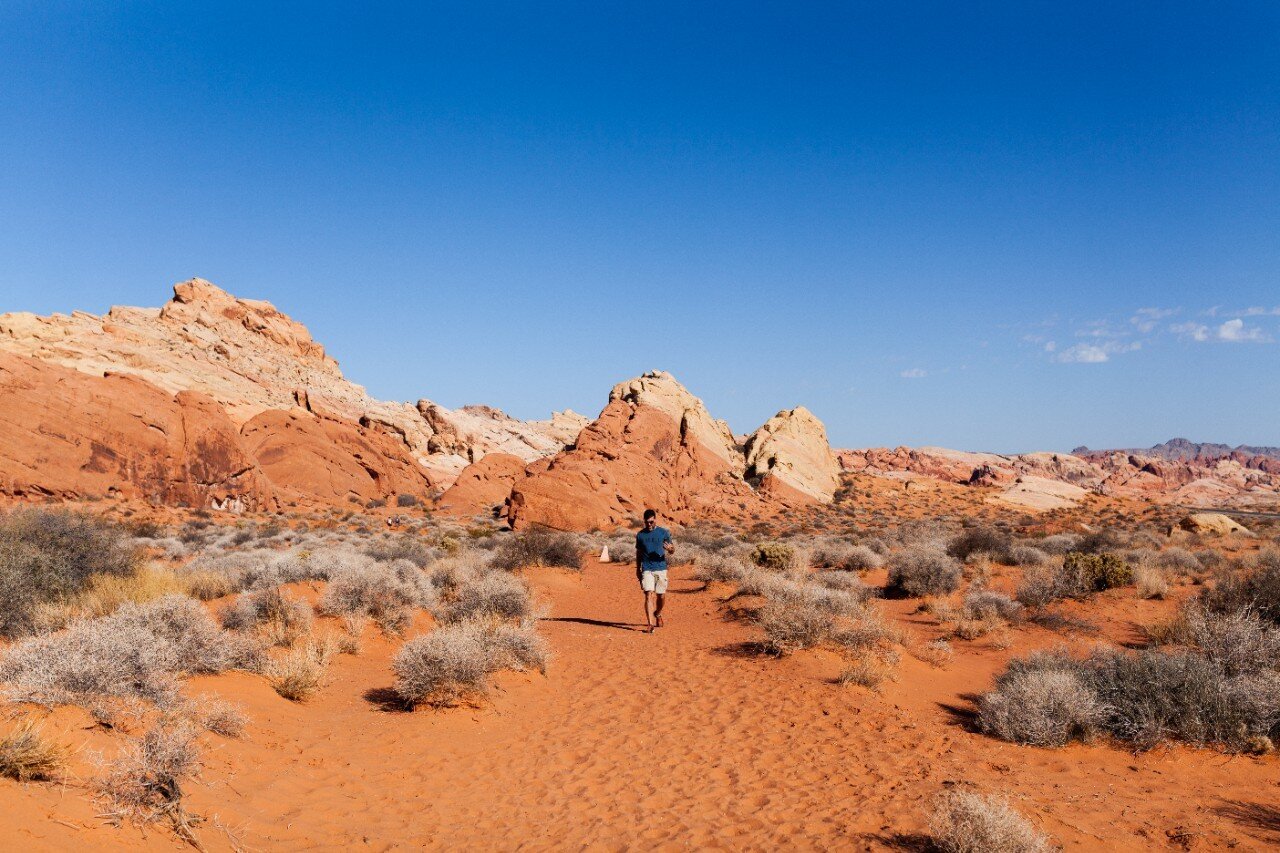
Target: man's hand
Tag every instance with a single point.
(639, 573)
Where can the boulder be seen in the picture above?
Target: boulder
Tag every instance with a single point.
(1209, 524)
(791, 450)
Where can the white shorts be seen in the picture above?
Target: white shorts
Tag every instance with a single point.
(654, 582)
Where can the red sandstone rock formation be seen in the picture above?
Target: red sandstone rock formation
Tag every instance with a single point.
(69, 434)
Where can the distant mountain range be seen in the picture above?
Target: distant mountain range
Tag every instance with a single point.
(1182, 450)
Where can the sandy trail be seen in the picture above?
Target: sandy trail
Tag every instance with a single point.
(680, 739)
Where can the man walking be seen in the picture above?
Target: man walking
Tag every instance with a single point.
(653, 544)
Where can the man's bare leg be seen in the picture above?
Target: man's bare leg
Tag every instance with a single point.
(657, 610)
(648, 610)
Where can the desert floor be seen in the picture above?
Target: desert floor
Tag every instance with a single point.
(683, 739)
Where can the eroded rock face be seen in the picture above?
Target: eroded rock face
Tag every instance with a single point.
(331, 460)
(791, 448)
(656, 445)
(484, 486)
(68, 434)
(1198, 481)
(250, 358)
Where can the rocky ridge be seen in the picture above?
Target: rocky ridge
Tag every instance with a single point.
(1024, 478)
(251, 359)
(656, 445)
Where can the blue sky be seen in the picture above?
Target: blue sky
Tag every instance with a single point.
(1003, 226)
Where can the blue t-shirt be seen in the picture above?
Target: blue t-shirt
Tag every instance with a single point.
(649, 543)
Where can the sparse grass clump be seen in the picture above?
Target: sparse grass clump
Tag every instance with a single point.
(921, 570)
(300, 673)
(1040, 705)
(713, 567)
(146, 782)
(26, 755)
(283, 619)
(980, 540)
(1080, 575)
(494, 595)
(988, 604)
(453, 664)
(1150, 581)
(50, 558)
(1142, 698)
(966, 822)
(540, 546)
(1255, 586)
(137, 652)
(387, 592)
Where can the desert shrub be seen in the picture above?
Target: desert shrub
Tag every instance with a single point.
(1097, 571)
(285, 618)
(1237, 640)
(792, 625)
(774, 556)
(49, 557)
(405, 501)
(966, 822)
(842, 581)
(719, 567)
(27, 755)
(146, 782)
(843, 600)
(1142, 698)
(859, 558)
(206, 586)
(1152, 696)
(922, 533)
(386, 592)
(1179, 560)
(136, 653)
(216, 715)
(105, 593)
(493, 595)
(517, 646)
(300, 672)
(1025, 555)
(989, 605)
(1059, 543)
(1150, 581)
(924, 571)
(1255, 586)
(1043, 585)
(1099, 542)
(1047, 706)
(979, 540)
(453, 664)
(409, 548)
(1079, 575)
(540, 546)
(864, 672)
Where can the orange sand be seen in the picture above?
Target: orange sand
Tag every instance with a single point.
(678, 740)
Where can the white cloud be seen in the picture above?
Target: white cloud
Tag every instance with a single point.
(1095, 353)
(1145, 320)
(913, 373)
(1231, 332)
(1050, 346)
(1195, 331)
(1235, 331)
(1258, 311)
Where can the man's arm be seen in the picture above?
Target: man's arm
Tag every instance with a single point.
(639, 560)
(668, 545)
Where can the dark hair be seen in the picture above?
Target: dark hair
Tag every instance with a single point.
(648, 514)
